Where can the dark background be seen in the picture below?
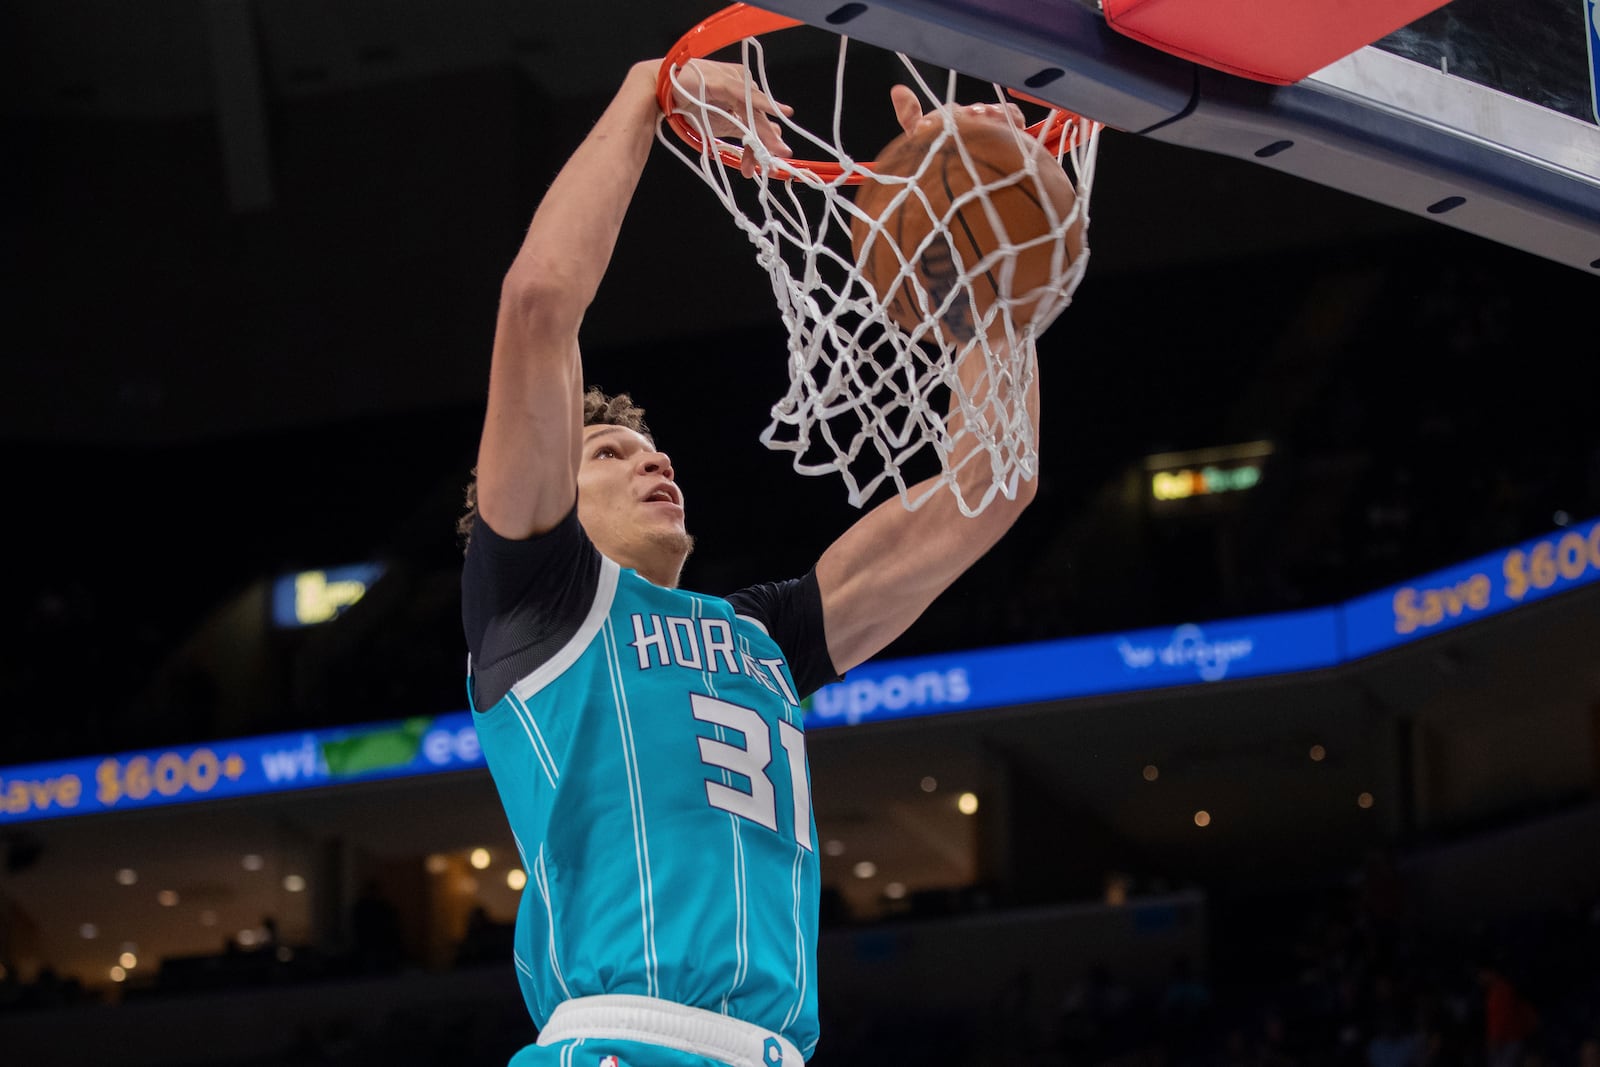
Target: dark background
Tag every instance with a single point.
(204, 388)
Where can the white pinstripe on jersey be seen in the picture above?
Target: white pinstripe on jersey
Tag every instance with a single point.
(641, 839)
(543, 880)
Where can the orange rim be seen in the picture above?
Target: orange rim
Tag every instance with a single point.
(735, 23)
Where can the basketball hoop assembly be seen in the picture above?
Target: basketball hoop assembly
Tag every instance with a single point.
(913, 288)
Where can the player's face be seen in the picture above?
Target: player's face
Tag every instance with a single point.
(630, 504)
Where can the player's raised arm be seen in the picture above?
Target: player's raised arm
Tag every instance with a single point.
(889, 566)
(885, 571)
(528, 454)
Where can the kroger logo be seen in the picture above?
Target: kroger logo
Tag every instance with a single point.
(854, 701)
(1187, 649)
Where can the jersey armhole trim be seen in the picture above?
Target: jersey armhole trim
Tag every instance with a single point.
(605, 592)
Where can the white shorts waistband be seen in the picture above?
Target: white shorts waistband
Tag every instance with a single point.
(653, 1021)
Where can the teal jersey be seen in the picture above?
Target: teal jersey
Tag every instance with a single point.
(652, 766)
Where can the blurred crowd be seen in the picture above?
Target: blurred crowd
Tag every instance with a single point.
(1341, 978)
(1353, 975)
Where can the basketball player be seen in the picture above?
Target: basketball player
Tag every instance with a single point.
(646, 741)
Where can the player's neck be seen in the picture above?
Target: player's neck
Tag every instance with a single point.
(664, 575)
(663, 566)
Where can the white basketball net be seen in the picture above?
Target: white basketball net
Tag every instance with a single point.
(867, 394)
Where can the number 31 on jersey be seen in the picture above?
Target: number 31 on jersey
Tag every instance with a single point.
(760, 804)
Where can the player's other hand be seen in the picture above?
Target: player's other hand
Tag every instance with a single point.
(704, 87)
(908, 111)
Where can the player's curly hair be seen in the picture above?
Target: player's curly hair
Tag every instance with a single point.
(599, 409)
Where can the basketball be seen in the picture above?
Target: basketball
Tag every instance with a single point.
(998, 154)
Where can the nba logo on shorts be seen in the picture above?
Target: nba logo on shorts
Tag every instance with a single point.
(609, 1061)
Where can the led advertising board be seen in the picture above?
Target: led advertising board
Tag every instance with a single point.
(1488, 585)
(1148, 659)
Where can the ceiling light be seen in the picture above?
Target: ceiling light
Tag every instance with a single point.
(833, 847)
(253, 862)
(1202, 818)
(167, 898)
(479, 858)
(929, 784)
(88, 931)
(515, 878)
(294, 883)
(1151, 772)
(246, 938)
(128, 960)
(1364, 800)
(436, 863)
(127, 876)
(967, 803)
(118, 974)
(866, 869)
(895, 890)
(1318, 753)
(466, 885)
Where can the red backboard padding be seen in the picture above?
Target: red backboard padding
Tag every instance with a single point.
(1277, 41)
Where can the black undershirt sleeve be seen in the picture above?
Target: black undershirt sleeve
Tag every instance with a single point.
(522, 601)
(792, 613)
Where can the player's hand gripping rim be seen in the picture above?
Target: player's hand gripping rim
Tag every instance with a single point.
(705, 89)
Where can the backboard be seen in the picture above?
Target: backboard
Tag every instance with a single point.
(1480, 115)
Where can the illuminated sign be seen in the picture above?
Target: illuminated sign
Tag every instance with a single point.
(1486, 586)
(1080, 666)
(1181, 484)
(1208, 472)
(244, 767)
(313, 597)
(1189, 654)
